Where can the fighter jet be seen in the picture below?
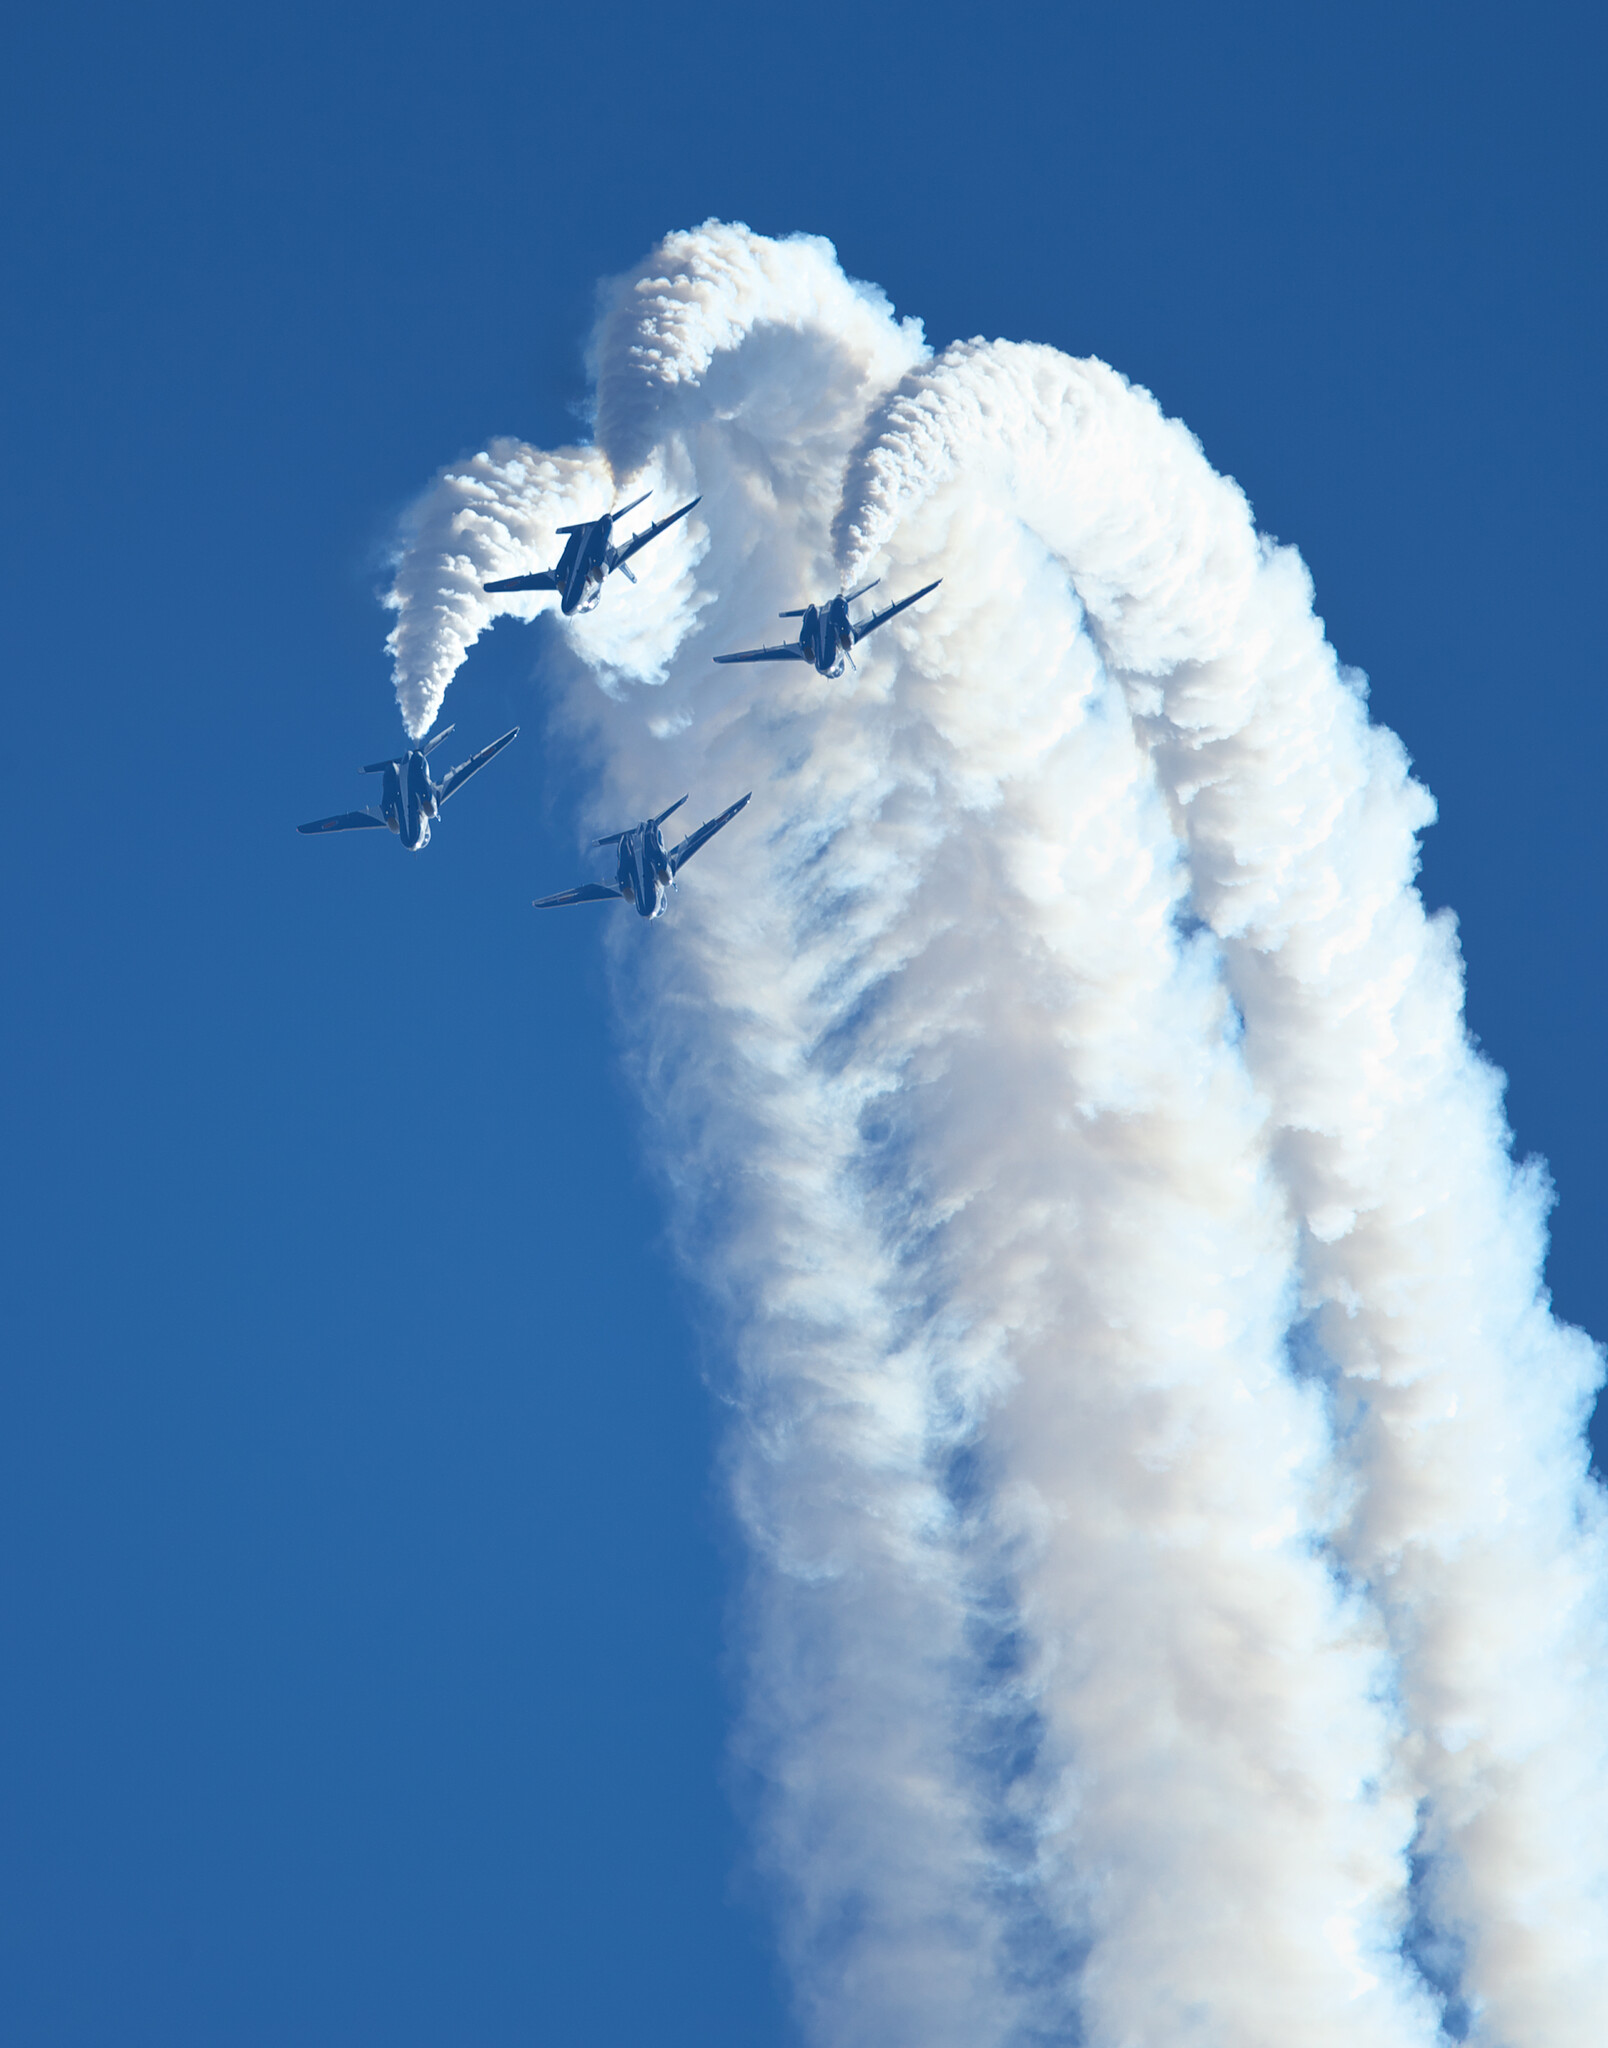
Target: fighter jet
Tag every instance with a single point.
(589, 554)
(827, 637)
(408, 797)
(646, 872)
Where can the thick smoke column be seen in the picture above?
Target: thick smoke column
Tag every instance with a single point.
(1177, 1602)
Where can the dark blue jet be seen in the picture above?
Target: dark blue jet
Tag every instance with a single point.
(589, 554)
(646, 872)
(408, 797)
(826, 637)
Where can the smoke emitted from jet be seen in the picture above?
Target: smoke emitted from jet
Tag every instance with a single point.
(1176, 1609)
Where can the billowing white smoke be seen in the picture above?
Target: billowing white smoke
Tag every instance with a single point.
(1177, 1611)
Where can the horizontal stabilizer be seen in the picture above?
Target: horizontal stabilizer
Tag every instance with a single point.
(803, 608)
(379, 767)
(590, 892)
(680, 855)
(542, 579)
(348, 821)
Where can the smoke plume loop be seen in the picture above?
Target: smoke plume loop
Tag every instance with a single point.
(1176, 1597)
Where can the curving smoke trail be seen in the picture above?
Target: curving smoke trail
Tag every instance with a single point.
(1177, 1606)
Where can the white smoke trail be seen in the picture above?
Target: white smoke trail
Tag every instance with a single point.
(1177, 1609)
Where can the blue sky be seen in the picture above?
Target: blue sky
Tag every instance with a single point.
(364, 1562)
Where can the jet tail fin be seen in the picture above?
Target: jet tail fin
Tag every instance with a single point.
(614, 838)
(803, 608)
(379, 767)
(646, 495)
(430, 746)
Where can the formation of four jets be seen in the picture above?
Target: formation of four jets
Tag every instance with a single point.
(646, 869)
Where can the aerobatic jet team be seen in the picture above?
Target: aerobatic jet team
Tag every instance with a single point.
(646, 869)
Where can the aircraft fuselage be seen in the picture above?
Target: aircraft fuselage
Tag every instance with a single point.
(583, 566)
(826, 636)
(589, 558)
(410, 796)
(644, 872)
(410, 799)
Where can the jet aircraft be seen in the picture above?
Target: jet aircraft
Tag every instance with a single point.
(409, 799)
(827, 635)
(589, 554)
(645, 872)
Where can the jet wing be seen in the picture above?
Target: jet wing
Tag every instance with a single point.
(881, 618)
(348, 821)
(455, 778)
(680, 855)
(790, 652)
(541, 579)
(589, 892)
(640, 540)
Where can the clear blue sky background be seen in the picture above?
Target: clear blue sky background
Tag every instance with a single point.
(361, 1566)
